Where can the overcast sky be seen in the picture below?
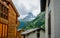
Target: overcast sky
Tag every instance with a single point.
(26, 6)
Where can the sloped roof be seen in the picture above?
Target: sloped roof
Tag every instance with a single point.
(10, 1)
(31, 30)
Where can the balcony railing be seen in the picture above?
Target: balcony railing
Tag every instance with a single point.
(2, 20)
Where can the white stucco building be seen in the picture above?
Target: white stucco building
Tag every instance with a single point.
(34, 33)
(52, 25)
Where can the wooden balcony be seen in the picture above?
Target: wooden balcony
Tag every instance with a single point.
(3, 3)
(2, 20)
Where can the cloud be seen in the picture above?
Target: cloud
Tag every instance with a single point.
(25, 6)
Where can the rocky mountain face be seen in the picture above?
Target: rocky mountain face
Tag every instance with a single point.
(29, 17)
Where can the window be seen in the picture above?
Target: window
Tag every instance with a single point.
(3, 12)
(0, 10)
(3, 0)
(1, 15)
(3, 8)
(0, 6)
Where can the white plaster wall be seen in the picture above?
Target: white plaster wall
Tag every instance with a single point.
(33, 35)
(42, 34)
(56, 18)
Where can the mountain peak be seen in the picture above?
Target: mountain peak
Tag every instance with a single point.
(29, 17)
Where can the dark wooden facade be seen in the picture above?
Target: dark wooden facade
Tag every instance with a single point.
(8, 19)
